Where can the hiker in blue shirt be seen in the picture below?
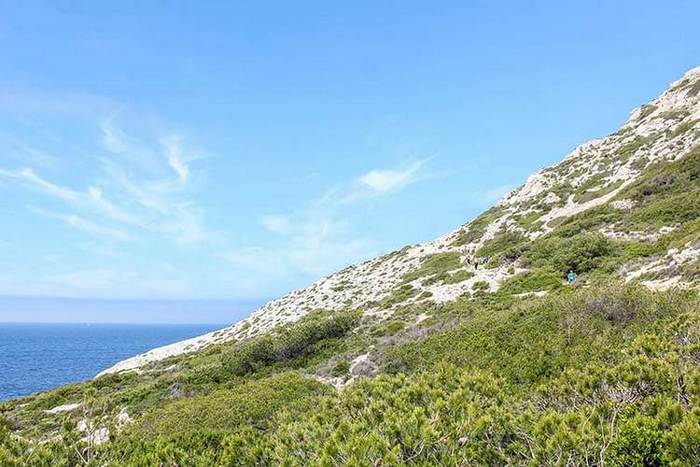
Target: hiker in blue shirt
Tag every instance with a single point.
(571, 277)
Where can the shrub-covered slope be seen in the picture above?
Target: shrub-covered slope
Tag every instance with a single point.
(469, 350)
(596, 375)
(627, 180)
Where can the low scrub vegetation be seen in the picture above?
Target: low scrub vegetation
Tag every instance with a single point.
(435, 267)
(295, 342)
(580, 253)
(603, 375)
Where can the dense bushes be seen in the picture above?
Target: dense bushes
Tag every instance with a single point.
(448, 416)
(506, 243)
(545, 278)
(581, 253)
(439, 263)
(530, 342)
(635, 407)
(252, 404)
(295, 341)
(594, 376)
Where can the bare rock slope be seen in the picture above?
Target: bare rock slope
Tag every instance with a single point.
(594, 174)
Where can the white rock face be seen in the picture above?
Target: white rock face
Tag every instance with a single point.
(63, 408)
(666, 129)
(123, 418)
(93, 435)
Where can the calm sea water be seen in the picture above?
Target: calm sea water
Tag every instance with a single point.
(36, 357)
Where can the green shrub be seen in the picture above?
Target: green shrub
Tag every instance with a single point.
(341, 368)
(457, 277)
(581, 253)
(399, 295)
(435, 264)
(501, 241)
(251, 356)
(539, 279)
(476, 228)
(389, 328)
(425, 295)
(530, 221)
(674, 209)
(253, 404)
(532, 340)
(638, 249)
(638, 442)
(646, 110)
(587, 221)
(298, 340)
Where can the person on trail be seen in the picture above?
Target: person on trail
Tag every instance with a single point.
(571, 277)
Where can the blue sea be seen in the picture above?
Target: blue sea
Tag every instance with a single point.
(36, 357)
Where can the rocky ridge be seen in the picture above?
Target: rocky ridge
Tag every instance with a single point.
(592, 175)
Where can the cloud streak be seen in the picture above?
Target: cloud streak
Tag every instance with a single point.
(380, 182)
(318, 238)
(87, 226)
(127, 200)
(28, 177)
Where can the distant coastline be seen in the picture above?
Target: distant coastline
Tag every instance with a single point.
(40, 356)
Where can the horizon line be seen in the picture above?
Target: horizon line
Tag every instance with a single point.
(113, 323)
(134, 299)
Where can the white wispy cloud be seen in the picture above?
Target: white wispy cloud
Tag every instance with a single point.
(128, 197)
(176, 161)
(28, 177)
(164, 205)
(113, 138)
(303, 254)
(87, 226)
(318, 238)
(383, 181)
(379, 182)
(15, 149)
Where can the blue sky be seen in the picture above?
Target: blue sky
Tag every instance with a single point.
(222, 150)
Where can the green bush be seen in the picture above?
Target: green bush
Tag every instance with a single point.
(638, 249)
(581, 253)
(251, 356)
(289, 343)
(507, 240)
(476, 228)
(253, 404)
(399, 295)
(341, 368)
(438, 263)
(457, 277)
(638, 442)
(539, 279)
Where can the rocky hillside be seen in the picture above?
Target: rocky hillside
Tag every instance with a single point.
(598, 177)
(468, 350)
